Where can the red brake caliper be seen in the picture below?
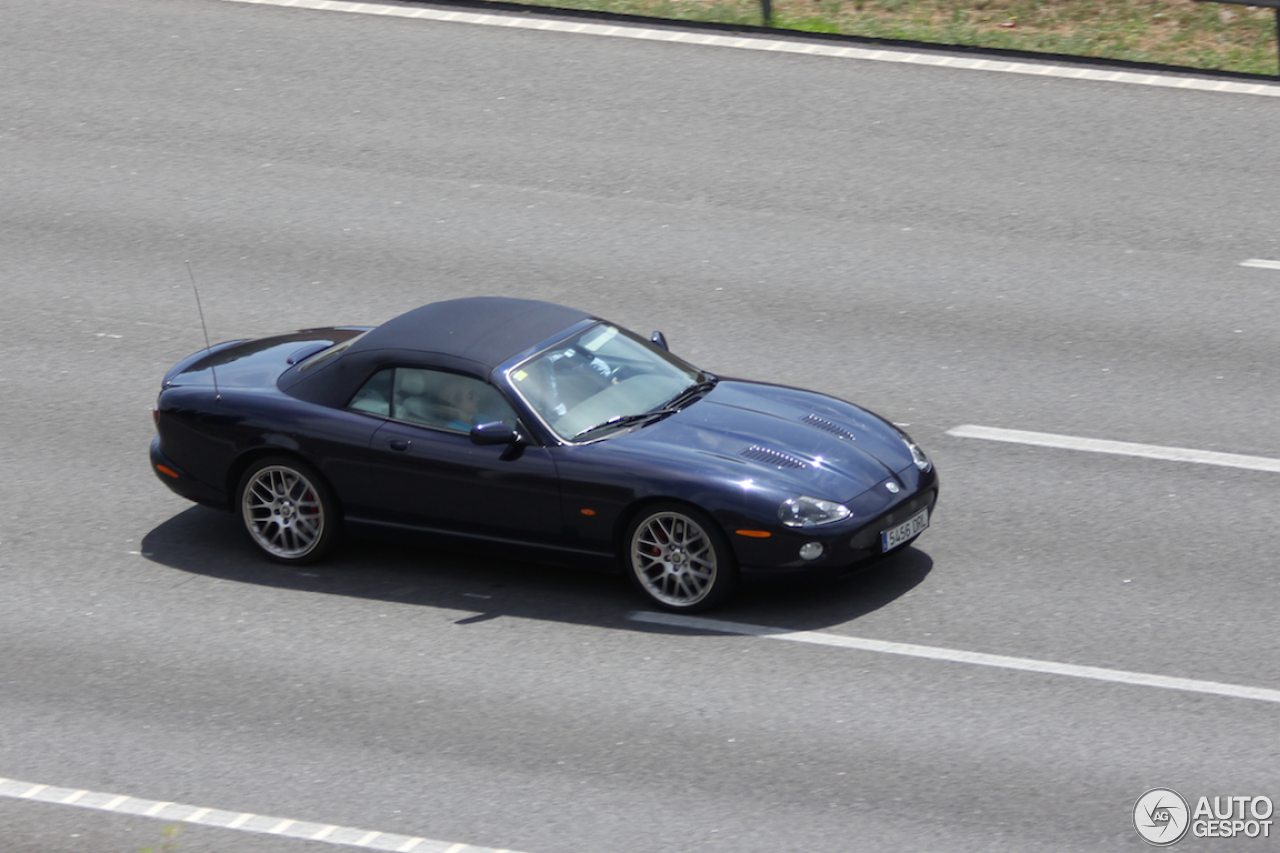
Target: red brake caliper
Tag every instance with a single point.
(654, 549)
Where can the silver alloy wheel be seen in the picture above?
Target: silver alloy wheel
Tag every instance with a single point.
(283, 512)
(674, 559)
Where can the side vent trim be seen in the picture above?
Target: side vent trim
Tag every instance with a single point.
(825, 425)
(769, 456)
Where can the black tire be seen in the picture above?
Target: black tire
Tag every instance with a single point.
(678, 558)
(287, 509)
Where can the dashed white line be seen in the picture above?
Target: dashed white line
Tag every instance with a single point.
(1261, 263)
(526, 21)
(1094, 673)
(1121, 448)
(239, 821)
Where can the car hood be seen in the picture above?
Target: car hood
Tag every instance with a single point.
(789, 438)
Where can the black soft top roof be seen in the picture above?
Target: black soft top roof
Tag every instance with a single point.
(471, 336)
(485, 330)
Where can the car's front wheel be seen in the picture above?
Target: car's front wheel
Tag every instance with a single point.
(677, 557)
(288, 510)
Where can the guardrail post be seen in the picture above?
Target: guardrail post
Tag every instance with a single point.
(766, 13)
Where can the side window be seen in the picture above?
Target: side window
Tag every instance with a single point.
(375, 396)
(443, 400)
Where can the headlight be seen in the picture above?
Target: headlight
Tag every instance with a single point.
(810, 512)
(918, 456)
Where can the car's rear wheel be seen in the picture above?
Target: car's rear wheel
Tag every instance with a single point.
(287, 510)
(677, 557)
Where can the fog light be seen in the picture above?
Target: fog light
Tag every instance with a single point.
(811, 550)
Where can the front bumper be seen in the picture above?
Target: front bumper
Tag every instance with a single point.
(845, 545)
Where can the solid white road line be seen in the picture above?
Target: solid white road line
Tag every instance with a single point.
(345, 836)
(1118, 676)
(1122, 448)
(1261, 263)
(526, 21)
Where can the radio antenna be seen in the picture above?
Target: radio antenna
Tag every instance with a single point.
(207, 346)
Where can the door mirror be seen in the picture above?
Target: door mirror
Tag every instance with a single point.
(494, 432)
(660, 339)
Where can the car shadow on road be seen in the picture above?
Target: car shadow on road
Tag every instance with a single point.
(206, 543)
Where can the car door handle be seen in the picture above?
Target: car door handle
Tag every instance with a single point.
(398, 444)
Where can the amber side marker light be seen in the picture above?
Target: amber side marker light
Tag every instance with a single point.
(588, 511)
(167, 471)
(754, 534)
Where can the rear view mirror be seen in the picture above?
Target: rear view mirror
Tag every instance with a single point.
(660, 339)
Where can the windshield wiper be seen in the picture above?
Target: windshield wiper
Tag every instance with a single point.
(690, 394)
(675, 404)
(627, 420)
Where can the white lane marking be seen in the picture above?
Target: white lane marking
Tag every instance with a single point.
(1261, 263)
(1122, 448)
(263, 824)
(525, 20)
(1095, 673)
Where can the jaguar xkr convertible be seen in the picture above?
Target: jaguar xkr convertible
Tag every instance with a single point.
(508, 422)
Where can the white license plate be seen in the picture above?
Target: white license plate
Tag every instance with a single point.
(912, 527)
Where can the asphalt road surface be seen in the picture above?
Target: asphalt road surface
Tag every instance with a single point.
(944, 247)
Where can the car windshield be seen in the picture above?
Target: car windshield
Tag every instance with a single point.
(604, 379)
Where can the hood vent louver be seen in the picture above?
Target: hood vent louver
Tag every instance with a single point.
(828, 426)
(769, 456)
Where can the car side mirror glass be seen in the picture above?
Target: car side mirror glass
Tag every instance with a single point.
(660, 339)
(494, 432)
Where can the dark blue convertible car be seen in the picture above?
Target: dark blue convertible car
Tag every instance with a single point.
(518, 423)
